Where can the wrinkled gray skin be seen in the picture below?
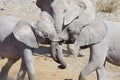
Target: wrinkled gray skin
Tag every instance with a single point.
(45, 5)
(64, 12)
(102, 37)
(18, 39)
(67, 11)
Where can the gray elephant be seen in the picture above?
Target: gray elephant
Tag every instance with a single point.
(46, 5)
(18, 39)
(102, 37)
(66, 11)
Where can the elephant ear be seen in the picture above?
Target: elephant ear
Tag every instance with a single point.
(23, 32)
(73, 11)
(91, 34)
(46, 17)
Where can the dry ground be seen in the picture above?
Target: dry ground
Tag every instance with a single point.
(46, 68)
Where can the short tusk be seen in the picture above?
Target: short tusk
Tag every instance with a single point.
(56, 39)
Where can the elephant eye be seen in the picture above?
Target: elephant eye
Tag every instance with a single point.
(46, 35)
(69, 30)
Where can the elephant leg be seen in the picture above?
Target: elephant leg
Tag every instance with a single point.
(96, 61)
(100, 73)
(22, 71)
(82, 52)
(28, 58)
(5, 69)
(87, 70)
(72, 52)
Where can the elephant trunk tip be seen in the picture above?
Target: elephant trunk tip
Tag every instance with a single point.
(62, 66)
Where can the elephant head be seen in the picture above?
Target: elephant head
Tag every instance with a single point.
(27, 33)
(66, 11)
(84, 35)
(43, 28)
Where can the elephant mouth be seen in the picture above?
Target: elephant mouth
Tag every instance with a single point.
(43, 40)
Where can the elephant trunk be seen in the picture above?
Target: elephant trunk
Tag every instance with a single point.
(57, 54)
(58, 22)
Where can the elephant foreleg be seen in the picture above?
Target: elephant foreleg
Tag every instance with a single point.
(5, 69)
(100, 73)
(28, 58)
(96, 61)
(72, 52)
(88, 69)
(22, 71)
(82, 52)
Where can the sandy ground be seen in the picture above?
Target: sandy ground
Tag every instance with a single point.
(46, 68)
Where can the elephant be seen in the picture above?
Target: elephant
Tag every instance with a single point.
(66, 11)
(46, 5)
(18, 38)
(102, 37)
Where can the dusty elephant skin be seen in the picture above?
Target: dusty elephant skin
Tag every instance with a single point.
(102, 37)
(67, 11)
(18, 39)
(62, 12)
(42, 5)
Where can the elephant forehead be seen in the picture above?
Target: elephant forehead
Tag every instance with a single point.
(59, 4)
(45, 27)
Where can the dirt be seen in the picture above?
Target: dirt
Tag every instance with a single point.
(46, 68)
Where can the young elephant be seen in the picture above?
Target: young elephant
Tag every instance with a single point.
(18, 39)
(64, 12)
(103, 39)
